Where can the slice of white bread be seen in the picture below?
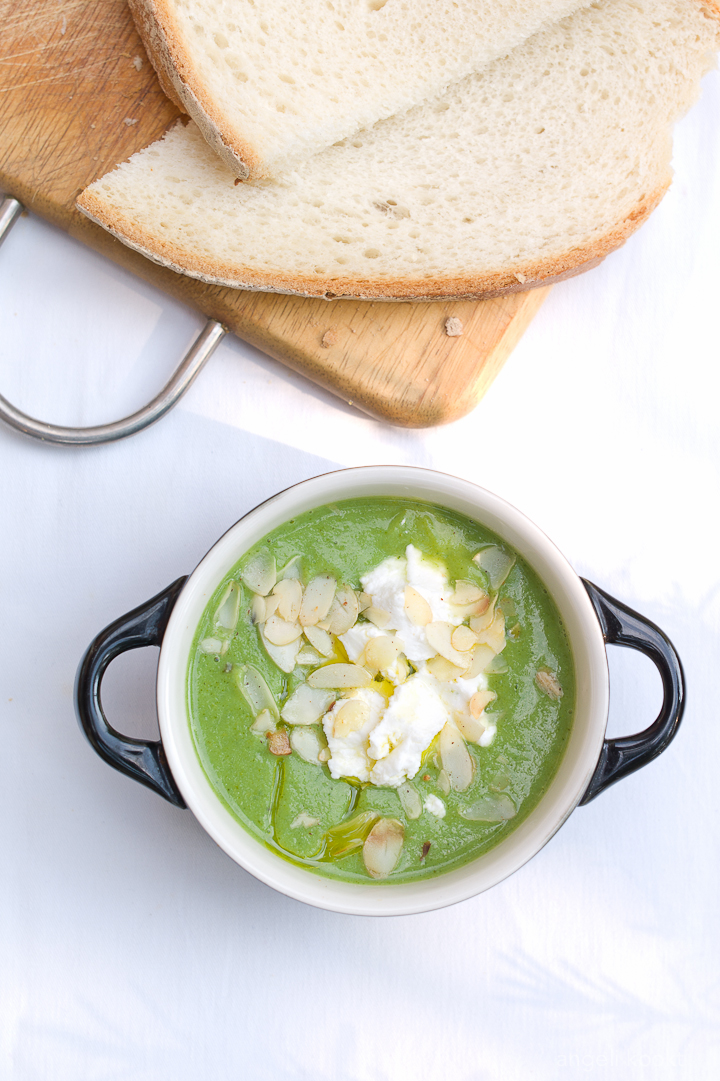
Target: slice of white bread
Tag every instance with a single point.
(532, 170)
(272, 82)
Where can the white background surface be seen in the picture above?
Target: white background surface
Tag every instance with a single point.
(131, 946)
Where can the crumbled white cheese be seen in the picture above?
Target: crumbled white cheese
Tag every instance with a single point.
(435, 806)
(414, 716)
(386, 585)
(388, 749)
(349, 754)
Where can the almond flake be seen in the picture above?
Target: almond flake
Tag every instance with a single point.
(469, 728)
(339, 675)
(306, 705)
(443, 670)
(364, 601)
(438, 635)
(463, 639)
(324, 755)
(306, 743)
(343, 610)
(257, 609)
(281, 633)
(278, 743)
(381, 652)
(317, 599)
(478, 702)
(482, 657)
(497, 564)
(482, 620)
(260, 575)
(548, 683)
(227, 612)
(321, 640)
(467, 593)
(383, 846)
(350, 718)
(305, 820)
(418, 610)
(494, 635)
(289, 593)
(378, 616)
(455, 758)
(263, 723)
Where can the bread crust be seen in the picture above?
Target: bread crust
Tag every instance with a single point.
(469, 285)
(165, 46)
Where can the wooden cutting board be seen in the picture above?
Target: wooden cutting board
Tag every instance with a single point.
(78, 96)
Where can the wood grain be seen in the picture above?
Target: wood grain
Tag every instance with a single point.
(78, 95)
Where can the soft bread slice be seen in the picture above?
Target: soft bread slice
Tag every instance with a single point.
(272, 82)
(530, 171)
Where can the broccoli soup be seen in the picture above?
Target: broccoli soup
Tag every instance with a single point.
(380, 689)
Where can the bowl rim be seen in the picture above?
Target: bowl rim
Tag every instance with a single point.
(565, 790)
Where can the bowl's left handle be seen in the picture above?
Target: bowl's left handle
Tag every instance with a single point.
(143, 760)
(623, 627)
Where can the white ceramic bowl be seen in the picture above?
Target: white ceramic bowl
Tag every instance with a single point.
(587, 753)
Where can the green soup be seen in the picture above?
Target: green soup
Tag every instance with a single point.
(501, 667)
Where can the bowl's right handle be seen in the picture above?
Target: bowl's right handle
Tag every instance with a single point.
(143, 760)
(623, 627)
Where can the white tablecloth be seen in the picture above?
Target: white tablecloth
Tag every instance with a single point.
(132, 947)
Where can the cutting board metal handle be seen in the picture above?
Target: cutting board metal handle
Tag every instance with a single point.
(181, 380)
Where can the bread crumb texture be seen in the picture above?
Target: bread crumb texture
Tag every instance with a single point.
(278, 81)
(548, 157)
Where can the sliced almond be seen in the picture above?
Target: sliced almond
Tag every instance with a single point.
(478, 702)
(289, 593)
(263, 723)
(381, 652)
(339, 675)
(306, 743)
(470, 729)
(482, 657)
(410, 800)
(292, 569)
(350, 717)
(494, 635)
(281, 633)
(443, 782)
(214, 645)
(306, 705)
(402, 670)
(257, 609)
(260, 574)
(482, 621)
(317, 599)
(467, 593)
(378, 616)
(418, 610)
(439, 635)
(495, 808)
(282, 656)
(383, 846)
(255, 690)
(463, 639)
(278, 743)
(548, 683)
(455, 757)
(343, 610)
(364, 601)
(228, 610)
(443, 670)
(497, 564)
(320, 640)
(324, 755)
(308, 655)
